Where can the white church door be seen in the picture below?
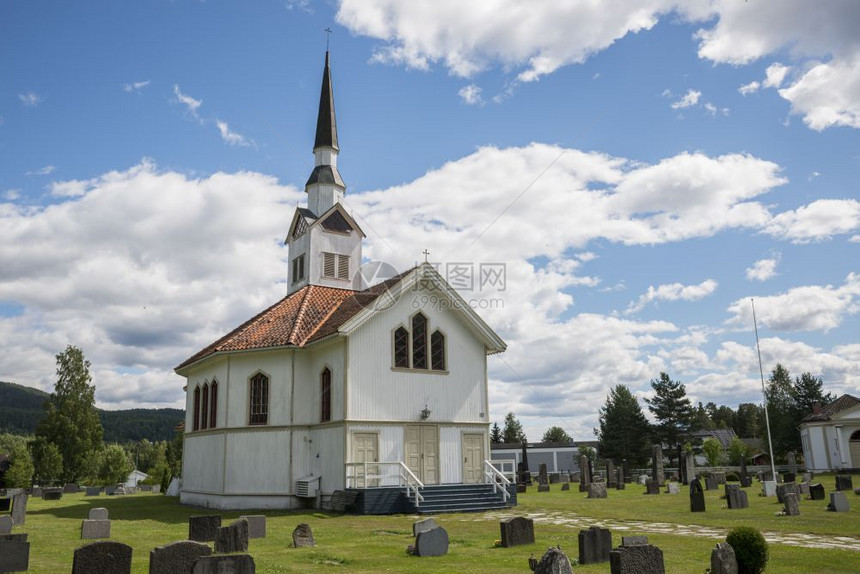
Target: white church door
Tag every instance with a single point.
(422, 452)
(365, 448)
(473, 457)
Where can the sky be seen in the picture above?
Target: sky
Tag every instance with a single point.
(639, 171)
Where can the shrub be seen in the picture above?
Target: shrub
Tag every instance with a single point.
(731, 476)
(750, 549)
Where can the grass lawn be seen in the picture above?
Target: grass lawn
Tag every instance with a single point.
(377, 543)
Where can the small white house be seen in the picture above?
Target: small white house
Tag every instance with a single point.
(830, 436)
(135, 477)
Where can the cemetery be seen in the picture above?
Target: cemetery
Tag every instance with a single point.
(618, 531)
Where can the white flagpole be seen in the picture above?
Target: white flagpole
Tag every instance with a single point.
(764, 394)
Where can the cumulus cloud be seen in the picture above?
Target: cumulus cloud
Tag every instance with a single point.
(673, 292)
(828, 94)
(691, 98)
(471, 94)
(750, 88)
(818, 220)
(138, 86)
(763, 269)
(190, 103)
(231, 137)
(30, 99)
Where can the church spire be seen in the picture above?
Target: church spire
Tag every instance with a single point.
(326, 124)
(325, 187)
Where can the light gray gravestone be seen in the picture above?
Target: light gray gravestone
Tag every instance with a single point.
(232, 538)
(595, 544)
(98, 513)
(432, 543)
(638, 559)
(19, 508)
(543, 487)
(783, 489)
(517, 530)
(792, 463)
(256, 525)
(176, 558)
(806, 477)
(303, 536)
(768, 488)
(657, 474)
(597, 490)
(723, 559)
(203, 528)
(95, 529)
(37, 491)
(838, 502)
(14, 556)
(156, 488)
(542, 476)
(6, 524)
(423, 526)
(554, 561)
(610, 474)
(672, 488)
(711, 483)
(690, 465)
(104, 557)
(231, 564)
(93, 491)
(634, 540)
(736, 498)
(804, 488)
(792, 504)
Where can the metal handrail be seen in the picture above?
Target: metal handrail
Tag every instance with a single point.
(493, 475)
(405, 477)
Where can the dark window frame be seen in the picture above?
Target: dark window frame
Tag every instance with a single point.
(213, 404)
(419, 341)
(325, 395)
(258, 400)
(438, 358)
(195, 424)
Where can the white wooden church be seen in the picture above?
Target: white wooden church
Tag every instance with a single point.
(297, 401)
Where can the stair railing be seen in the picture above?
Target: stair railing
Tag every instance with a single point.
(384, 473)
(497, 479)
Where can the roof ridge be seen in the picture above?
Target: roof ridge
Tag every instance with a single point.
(300, 315)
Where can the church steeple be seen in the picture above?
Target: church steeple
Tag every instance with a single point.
(325, 187)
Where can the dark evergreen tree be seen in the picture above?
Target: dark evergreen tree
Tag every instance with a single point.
(495, 434)
(746, 422)
(808, 391)
(556, 434)
(513, 430)
(624, 430)
(780, 409)
(673, 411)
(701, 419)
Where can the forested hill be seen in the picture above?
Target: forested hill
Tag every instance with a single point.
(21, 410)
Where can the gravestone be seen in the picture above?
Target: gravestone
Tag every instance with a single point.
(232, 538)
(619, 482)
(789, 477)
(103, 557)
(71, 488)
(597, 490)
(6, 524)
(744, 473)
(14, 555)
(768, 488)
(203, 528)
(565, 486)
(52, 494)
(792, 506)
(19, 508)
(95, 529)
(553, 478)
(432, 543)
(517, 530)
(652, 487)
(93, 491)
(109, 490)
(37, 491)
(791, 459)
(804, 488)
(844, 482)
(176, 558)
(689, 466)
(672, 488)
(638, 559)
(720, 477)
(697, 496)
(17, 537)
(746, 481)
(657, 474)
(736, 498)
(423, 526)
(256, 525)
(554, 561)
(637, 540)
(156, 488)
(711, 483)
(98, 514)
(807, 477)
(723, 559)
(303, 536)
(521, 488)
(230, 564)
(783, 489)
(838, 502)
(564, 477)
(610, 474)
(816, 491)
(543, 487)
(5, 504)
(584, 474)
(594, 545)
(146, 488)
(542, 477)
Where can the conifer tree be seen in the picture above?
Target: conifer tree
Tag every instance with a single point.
(623, 432)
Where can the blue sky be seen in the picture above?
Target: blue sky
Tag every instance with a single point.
(660, 163)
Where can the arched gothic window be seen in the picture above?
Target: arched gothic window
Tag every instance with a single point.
(401, 348)
(213, 403)
(325, 395)
(195, 425)
(204, 412)
(259, 399)
(437, 351)
(419, 341)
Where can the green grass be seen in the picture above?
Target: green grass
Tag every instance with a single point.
(378, 543)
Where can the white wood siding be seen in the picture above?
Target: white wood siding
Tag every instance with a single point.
(258, 462)
(202, 462)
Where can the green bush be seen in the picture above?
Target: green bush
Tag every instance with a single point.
(750, 549)
(732, 477)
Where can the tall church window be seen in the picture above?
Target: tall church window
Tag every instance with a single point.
(259, 399)
(437, 351)
(401, 348)
(204, 412)
(419, 341)
(299, 268)
(325, 395)
(195, 425)
(213, 404)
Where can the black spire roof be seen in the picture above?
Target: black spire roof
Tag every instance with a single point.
(326, 125)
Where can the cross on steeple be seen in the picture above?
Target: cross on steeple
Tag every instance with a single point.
(327, 37)
(426, 255)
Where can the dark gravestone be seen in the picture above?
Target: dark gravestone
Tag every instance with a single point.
(816, 491)
(565, 486)
(554, 561)
(652, 487)
(52, 494)
(744, 473)
(94, 529)
(723, 560)
(522, 487)
(110, 490)
(103, 557)
(611, 478)
(792, 465)
(516, 531)
(789, 477)
(792, 506)
(432, 543)
(838, 502)
(18, 537)
(423, 525)
(71, 488)
(844, 483)
(736, 498)
(619, 482)
(93, 491)
(5, 504)
(203, 528)
(785, 488)
(657, 474)
(232, 538)
(594, 545)
(6, 524)
(14, 555)
(231, 564)
(303, 536)
(697, 497)
(542, 477)
(542, 487)
(19, 508)
(146, 488)
(720, 477)
(597, 490)
(37, 491)
(639, 559)
(584, 474)
(176, 558)
(527, 475)
(711, 483)
(746, 481)
(553, 478)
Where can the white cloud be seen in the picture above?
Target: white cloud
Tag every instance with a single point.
(673, 292)
(691, 98)
(750, 88)
(138, 86)
(30, 99)
(471, 94)
(231, 137)
(774, 75)
(828, 94)
(190, 103)
(818, 220)
(48, 169)
(763, 269)
(12, 194)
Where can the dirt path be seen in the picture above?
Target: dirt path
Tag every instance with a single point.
(573, 520)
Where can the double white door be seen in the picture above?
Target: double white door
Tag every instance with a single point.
(422, 452)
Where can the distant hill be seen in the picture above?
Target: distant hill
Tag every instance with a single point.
(21, 410)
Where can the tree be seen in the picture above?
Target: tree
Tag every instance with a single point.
(672, 409)
(115, 465)
(808, 391)
(20, 472)
(713, 450)
(587, 451)
(746, 422)
(555, 434)
(738, 450)
(780, 409)
(71, 421)
(47, 461)
(701, 419)
(513, 431)
(496, 434)
(623, 432)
